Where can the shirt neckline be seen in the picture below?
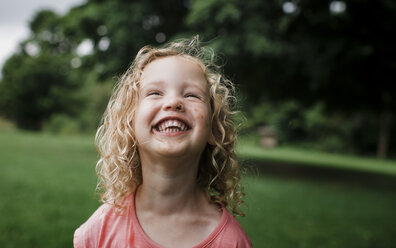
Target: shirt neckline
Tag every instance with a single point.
(204, 243)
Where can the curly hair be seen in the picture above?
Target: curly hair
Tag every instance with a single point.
(119, 169)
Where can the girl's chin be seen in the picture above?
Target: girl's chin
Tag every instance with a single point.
(174, 153)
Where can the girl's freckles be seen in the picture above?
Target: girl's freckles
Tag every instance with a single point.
(195, 110)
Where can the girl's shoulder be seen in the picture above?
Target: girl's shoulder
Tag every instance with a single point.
(232, 234)
(102, 225)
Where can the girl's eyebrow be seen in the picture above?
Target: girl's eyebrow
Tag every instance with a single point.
(154, 82)
(201, 90)
(197, 86)
(151, 84)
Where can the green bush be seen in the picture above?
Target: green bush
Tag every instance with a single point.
(97, 96)
(35, 88)
(285, 118)
(62, 124)
(312, 127)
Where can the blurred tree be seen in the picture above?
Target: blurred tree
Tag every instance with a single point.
(247, 33)
(118, 29)
(34, 88)
(71, 53)
(347, 54)
(37, 81)
(341, 53)
(115, 31)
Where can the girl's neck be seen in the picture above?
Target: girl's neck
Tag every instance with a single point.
(169, 186)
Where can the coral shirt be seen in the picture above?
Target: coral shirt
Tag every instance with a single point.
(105, 228)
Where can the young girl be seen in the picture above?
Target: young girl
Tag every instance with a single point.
(168, 170)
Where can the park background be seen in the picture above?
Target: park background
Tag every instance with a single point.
(316, 102)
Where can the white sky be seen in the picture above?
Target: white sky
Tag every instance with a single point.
(15, 16)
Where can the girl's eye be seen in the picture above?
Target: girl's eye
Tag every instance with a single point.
(192, 95)
(153, 93)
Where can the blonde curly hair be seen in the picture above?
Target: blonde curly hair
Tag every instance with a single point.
(119, 169)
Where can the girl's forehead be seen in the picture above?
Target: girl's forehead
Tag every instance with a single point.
(178, 59)
(174, 67)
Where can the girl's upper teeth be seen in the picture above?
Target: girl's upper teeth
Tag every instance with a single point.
(172, 126)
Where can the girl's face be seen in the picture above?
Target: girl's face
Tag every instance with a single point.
(173, 116)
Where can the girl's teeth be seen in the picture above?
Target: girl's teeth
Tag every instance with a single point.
(172, 126)
(170, 130)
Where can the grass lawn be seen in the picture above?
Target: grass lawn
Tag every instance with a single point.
(47, 186)
(299, 213)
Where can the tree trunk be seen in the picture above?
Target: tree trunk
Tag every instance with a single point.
(384, 134)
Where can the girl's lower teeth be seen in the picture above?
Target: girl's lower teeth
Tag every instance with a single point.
(171, 130)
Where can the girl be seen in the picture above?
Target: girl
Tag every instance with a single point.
(168, 170)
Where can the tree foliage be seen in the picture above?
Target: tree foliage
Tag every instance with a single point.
(127, 26)
(343, 58)
(43, 79)
(306, 55)
(34, 88)
(276, 51)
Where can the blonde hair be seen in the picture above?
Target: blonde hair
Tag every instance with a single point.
(119, 168)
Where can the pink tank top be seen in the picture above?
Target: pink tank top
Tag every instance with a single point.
(106, 228)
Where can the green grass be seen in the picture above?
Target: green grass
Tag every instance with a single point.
(248, 150)
(298, 213)
(47, 187)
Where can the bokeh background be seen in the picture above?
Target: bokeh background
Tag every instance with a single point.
(316, 102)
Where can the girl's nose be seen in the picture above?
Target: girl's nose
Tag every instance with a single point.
(174, 104)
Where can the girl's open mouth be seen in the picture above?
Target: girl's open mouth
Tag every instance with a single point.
(171, 126)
